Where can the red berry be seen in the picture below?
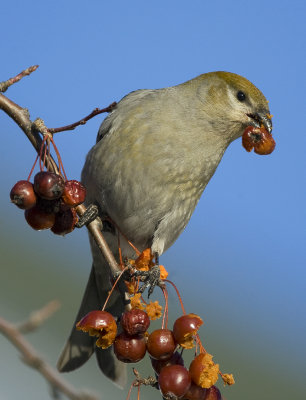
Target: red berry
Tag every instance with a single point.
(175, 359)
(135, 321)
(23, 195)
(74, 193)
(174, 380)
(213, 393)
(64, 222)
(259, 139)
(99, 323)
(48, 185)
(195, 392)
(129, 348)
(185, 328)
(39, 219)
(161, 344)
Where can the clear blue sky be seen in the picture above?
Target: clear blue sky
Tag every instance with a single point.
(246, 241)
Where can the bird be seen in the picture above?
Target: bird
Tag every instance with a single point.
(155, 153)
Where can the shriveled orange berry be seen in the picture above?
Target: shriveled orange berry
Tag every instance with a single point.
(228, 379)
(184, 329)
(74, 193)
(163, 272)
(136, 301)
(203, 371)
(153, 310)
(101, 324)
(144, 260)
(259, 139)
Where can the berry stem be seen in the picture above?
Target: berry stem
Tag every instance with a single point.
(130, 391)
(31, 172)
(178, 295)
(165, 316)
(60, 163)
(119, 251)
(112, 289)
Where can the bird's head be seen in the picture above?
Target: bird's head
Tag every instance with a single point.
(231, 103)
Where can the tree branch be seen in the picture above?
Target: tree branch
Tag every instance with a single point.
(83, 121)
(31, 357)
(6, 84)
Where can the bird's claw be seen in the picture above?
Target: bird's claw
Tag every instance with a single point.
(89, 215)
(150, 278)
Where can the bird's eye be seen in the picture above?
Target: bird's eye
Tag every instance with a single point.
(241, 96)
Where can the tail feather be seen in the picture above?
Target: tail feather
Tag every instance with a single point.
(80, 346)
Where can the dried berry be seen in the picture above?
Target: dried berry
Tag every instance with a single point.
(48, 185)
(129, 348)
(203, 371)
(74, 193)
(195, 392)
(23, 195)
(38, 219)
(161, 344)
(64, 222)
(99, 323)
(135, 321)
(185, 328)
(259, 139)
(213, 393)
(174, 380)
(175, 359)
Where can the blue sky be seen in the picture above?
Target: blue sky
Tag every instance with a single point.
(246, 240)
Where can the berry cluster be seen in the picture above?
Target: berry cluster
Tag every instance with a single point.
(165, 348)
(49, 202)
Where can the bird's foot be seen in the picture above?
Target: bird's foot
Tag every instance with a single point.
(150, 278)
(91, 213)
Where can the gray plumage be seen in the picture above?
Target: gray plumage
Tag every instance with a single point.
(155, 153)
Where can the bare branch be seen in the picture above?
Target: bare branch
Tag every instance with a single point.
(6, 84)
(22, 118)
(83, 121)
(31, 357)
(37, 318)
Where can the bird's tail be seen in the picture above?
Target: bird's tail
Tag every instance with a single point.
(80, 346)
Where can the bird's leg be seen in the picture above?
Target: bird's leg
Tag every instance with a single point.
(150, 278)
(91, 213)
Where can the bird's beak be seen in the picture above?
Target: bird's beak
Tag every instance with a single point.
(262, 118)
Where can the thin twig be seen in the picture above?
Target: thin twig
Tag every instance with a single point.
(6, 84)
(83, 121)
(37, 318)
(22, 118)
(31, 357)
(31, 129)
